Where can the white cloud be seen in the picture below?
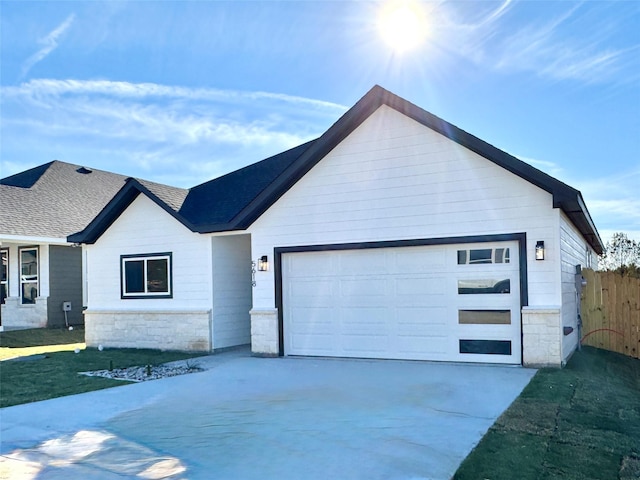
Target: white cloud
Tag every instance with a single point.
(49, 42)
(170, 134)
(39, 88)
(133, 112)
(548, 48)
(613, 201)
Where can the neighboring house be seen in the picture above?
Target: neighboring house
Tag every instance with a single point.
(39, 208)
(393, 235)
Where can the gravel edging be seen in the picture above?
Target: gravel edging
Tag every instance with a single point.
(144, 373)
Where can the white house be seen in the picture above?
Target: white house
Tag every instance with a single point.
(393, 235)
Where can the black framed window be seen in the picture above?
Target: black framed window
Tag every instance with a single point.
(146, 275)
(4, 275)
(29, 283)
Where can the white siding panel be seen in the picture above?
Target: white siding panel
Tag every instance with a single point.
(574, 250)
(394, 179)
(145, 228)
(231, 290)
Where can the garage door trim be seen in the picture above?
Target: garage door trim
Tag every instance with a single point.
(521, 238)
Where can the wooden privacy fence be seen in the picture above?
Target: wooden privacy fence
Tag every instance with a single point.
(611, 312)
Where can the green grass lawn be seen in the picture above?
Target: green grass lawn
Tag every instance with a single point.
(22, 343)
(47, 366)
(581, 422)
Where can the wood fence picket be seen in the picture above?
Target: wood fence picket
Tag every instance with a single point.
(611, 312)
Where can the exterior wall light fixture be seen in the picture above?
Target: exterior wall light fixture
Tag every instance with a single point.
(540, 250)
(263, 264)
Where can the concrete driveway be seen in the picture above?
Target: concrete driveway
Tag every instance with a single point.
(254, 418)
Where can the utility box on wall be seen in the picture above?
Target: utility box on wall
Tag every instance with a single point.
(66, 306)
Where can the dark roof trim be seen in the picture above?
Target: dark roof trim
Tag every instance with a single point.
(564, 196)
(118, 204)
(316, 152)
(577, 212)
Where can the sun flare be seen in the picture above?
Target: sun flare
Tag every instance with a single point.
(403, 24)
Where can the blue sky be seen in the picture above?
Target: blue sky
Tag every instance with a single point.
(181, 92)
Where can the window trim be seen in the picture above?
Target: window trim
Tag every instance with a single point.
(5, 282)
(145, 257)
(37, 280)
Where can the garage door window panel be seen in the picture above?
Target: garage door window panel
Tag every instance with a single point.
(483, 286)
(483, 256)
(486, 347)
(484, 317)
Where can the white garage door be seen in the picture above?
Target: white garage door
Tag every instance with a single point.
(451, 303)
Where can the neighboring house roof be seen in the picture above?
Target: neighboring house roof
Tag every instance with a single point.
(57, 199)
(236, 200)
(54, 200)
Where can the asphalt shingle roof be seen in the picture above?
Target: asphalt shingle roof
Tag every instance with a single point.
(58, 199)
(220, 200)
(173, 197)
(54, 199)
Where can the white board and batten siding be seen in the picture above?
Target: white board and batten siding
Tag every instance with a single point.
(395, 179)
(144, 228)
(574, 250)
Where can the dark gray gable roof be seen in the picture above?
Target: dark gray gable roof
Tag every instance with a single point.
(235, 201)
(211, 206)
(170, 199)
(54, 200)
(216, 205)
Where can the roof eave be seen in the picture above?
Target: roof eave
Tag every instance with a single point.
(309, 158)
(109, 214)
(575, 208)
(32, 239)
(564, 196)
(116, 206)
